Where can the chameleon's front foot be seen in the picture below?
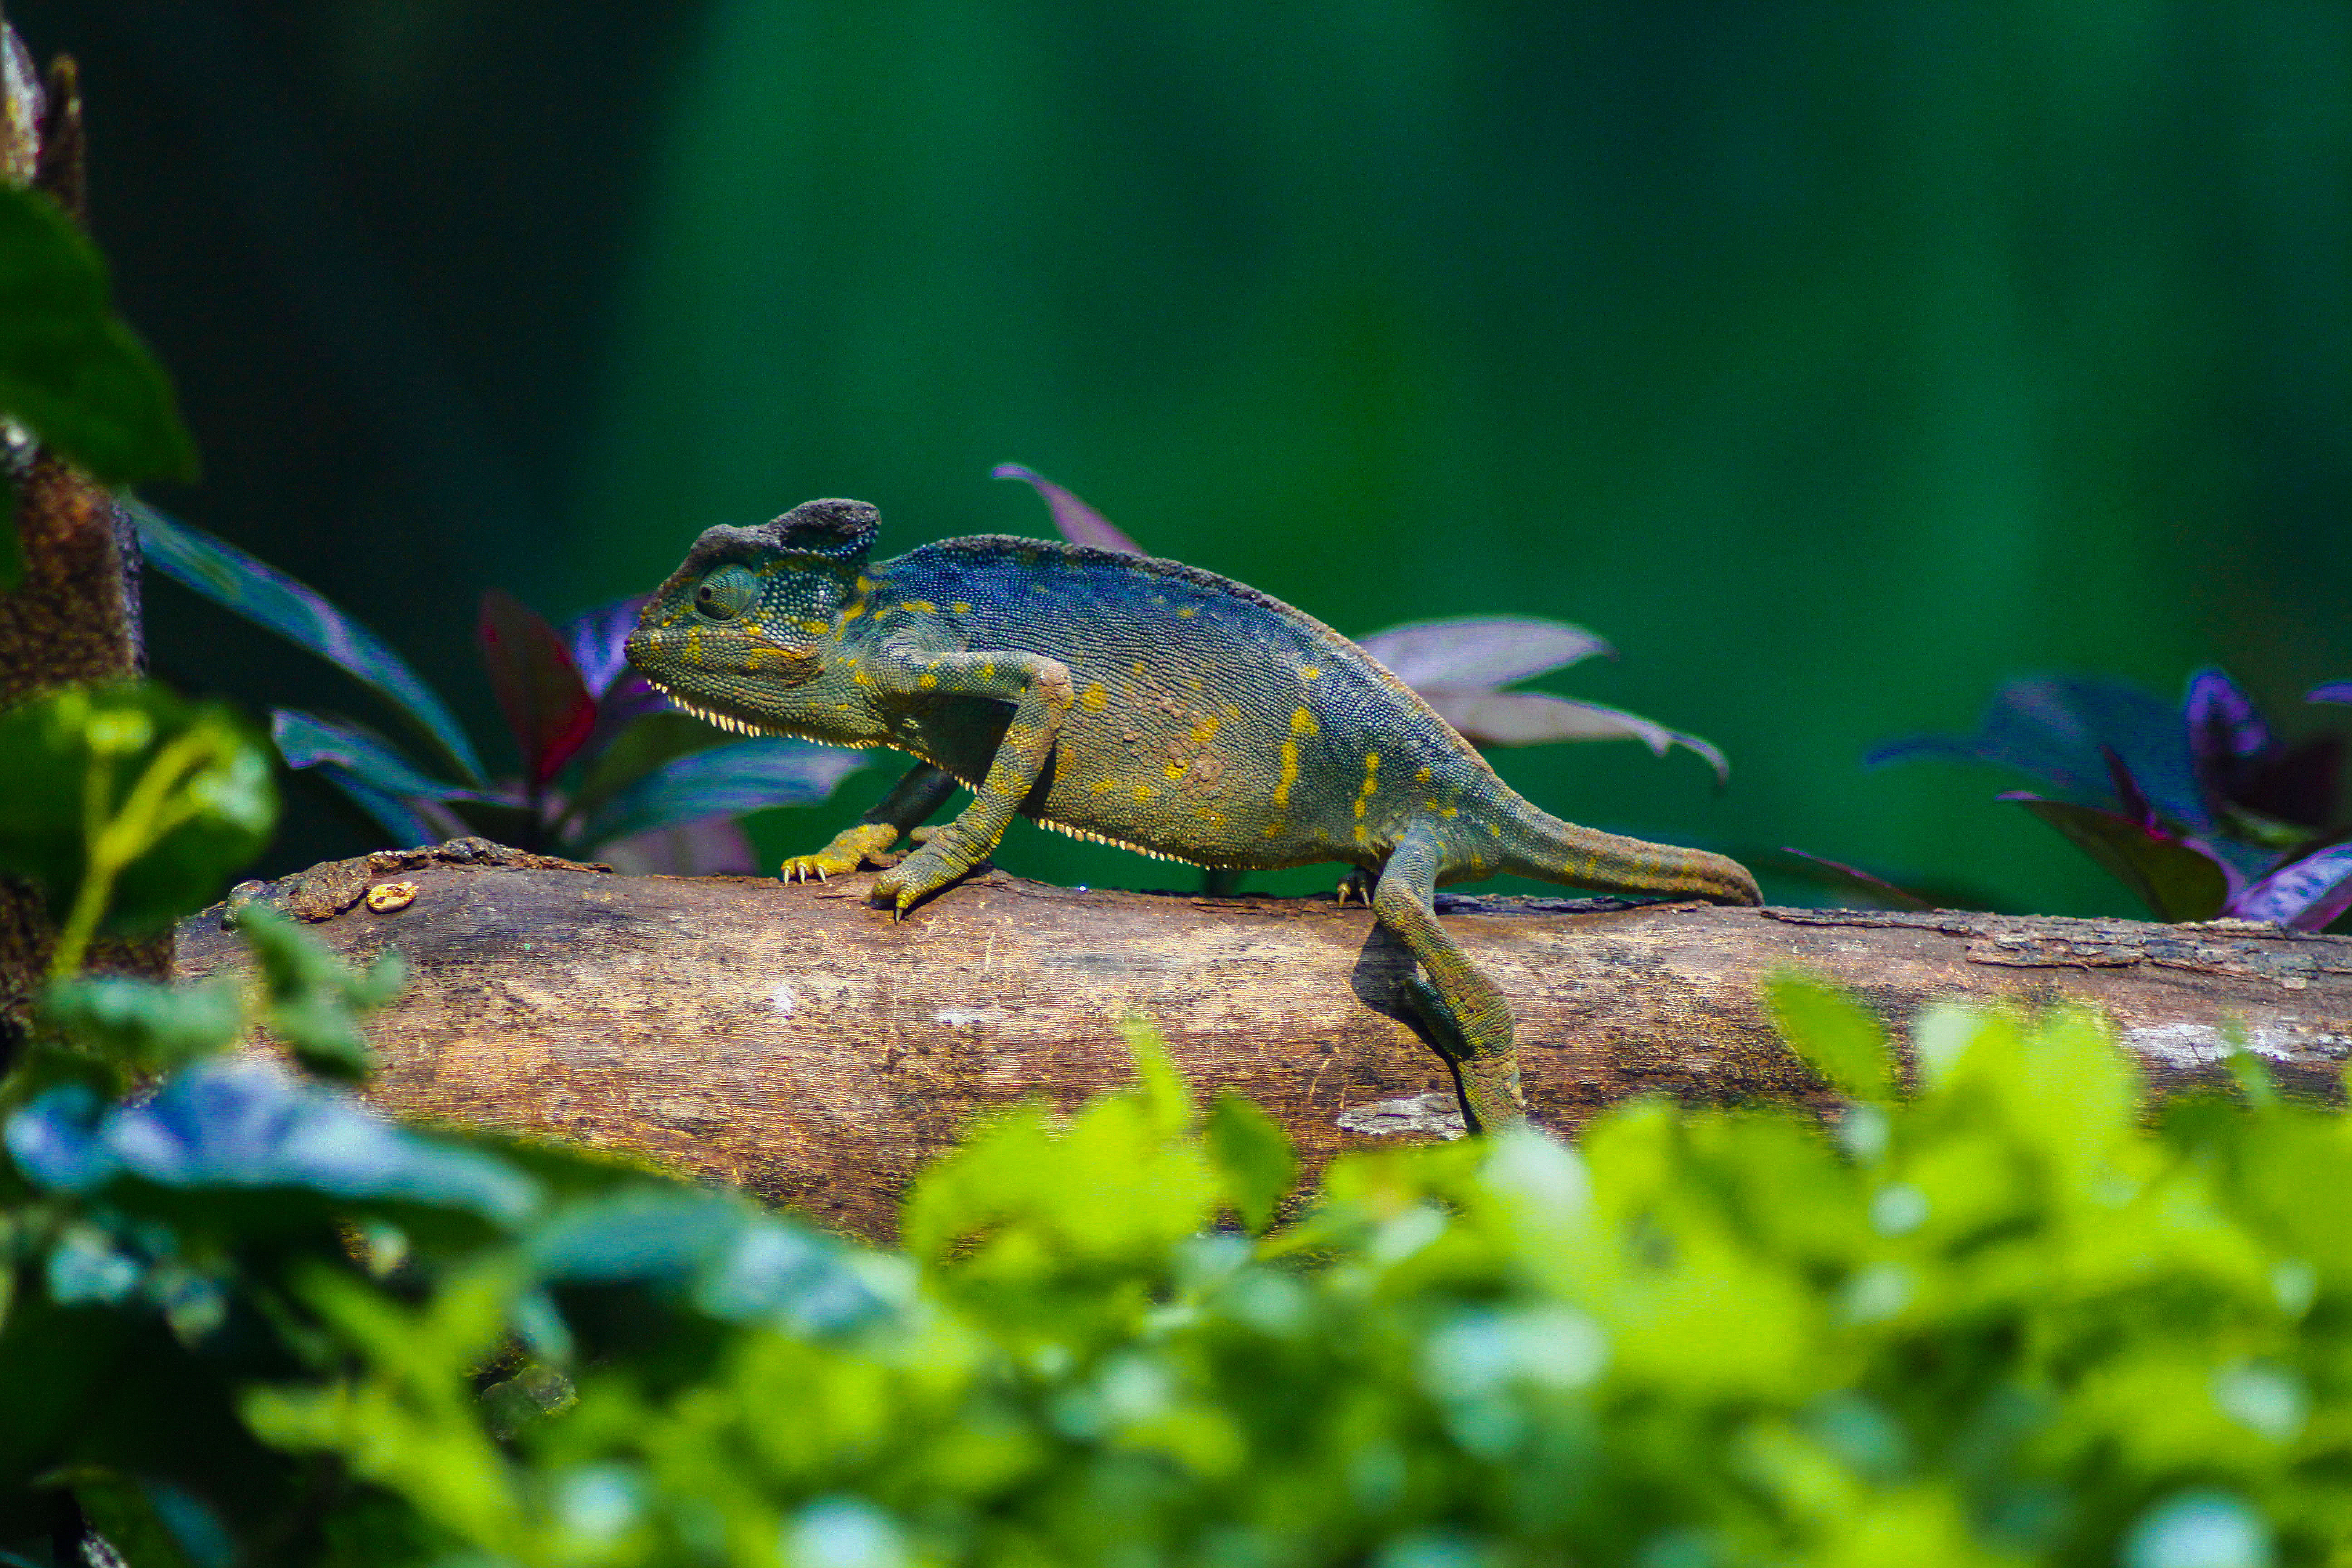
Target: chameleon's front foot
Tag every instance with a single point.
(850, 849)
(947, 854)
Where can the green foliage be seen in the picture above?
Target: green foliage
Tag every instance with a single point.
(127, 806)
(71, 373)
(2008, 1320)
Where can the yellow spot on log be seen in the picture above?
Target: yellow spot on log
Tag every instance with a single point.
(1095, 699)
(1302, 722)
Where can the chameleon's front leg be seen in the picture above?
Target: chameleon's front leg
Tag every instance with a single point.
(911, 800)
(1040, 691)
(1462, 1007)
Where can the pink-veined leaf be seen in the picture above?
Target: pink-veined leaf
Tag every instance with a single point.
(2306, 895)
(1479, 653)
(1533, 719)
(2334, 691)
(2176, 882)
(713, 847)
(1900, 898)
(546, 703)
(1079, 524)
(595, 637)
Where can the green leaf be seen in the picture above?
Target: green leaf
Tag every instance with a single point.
(1836, 1036)
(1253, 1156)
(219, 817)
(270, 599)
(723, 781)
(2173, 881)
(643, 744)
(70, 371)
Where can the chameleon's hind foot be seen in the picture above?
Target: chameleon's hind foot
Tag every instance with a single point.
(1488, 1075)
(850, 849)
(1357, 885)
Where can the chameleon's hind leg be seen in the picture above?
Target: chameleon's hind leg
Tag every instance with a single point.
(1463, 1009)
(922, 792)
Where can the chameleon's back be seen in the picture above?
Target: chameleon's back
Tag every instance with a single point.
(1211, 724)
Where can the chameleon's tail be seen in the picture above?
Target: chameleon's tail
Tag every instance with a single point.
(1536, 844)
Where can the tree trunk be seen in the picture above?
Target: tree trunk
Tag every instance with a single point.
(75, 616)
(795, 1041)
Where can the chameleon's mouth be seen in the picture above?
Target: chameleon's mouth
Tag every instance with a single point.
(708, 715)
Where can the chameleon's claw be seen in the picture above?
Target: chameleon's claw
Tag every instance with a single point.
(821, 875)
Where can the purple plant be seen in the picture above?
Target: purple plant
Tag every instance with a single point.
(608, 768)
(2202, 811)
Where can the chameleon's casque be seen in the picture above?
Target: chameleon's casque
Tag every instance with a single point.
(1132, 702)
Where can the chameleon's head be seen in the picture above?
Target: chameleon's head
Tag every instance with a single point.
(749, 614)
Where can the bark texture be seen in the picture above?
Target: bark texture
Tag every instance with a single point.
(75, 616)
(794, 1041)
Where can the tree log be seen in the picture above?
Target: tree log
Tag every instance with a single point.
(795, 1041)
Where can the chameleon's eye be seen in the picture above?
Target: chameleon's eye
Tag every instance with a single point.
(727, 593)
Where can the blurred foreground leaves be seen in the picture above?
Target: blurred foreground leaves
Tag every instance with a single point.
(2003, 1317)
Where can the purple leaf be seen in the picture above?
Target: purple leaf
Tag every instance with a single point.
(299, 612)
(2222, 719)
(539, 688)
(723, 781)
(2054, 727)
(2174, 881)
(1079, 524)
(2306, 895)
(714, 846)
(595, 638)
(1477, 653)
(1900, 898)
(2334, 691)
(1532, 718)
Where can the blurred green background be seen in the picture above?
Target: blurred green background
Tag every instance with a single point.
(1835, 361)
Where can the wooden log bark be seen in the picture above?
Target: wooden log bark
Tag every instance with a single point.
(796, 1042)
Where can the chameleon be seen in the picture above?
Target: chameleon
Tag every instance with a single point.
(1131, 701)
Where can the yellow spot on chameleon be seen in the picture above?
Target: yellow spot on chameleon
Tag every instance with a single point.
(1450, 812)
(960, 608)
(1205, 730)
(1309, 672)
(816, 628)
(1100, 785)
(861, 678)
(866, 584)
(923, 605)
(1095, 699)
(1421, 775)
(1175, 769)
(852, 613)
(928, 682)
(1289, 772)
(988, 670)
(1302, 722)
(1139, 667)
(1273, 830)
(1144, 792)
(1187, 613)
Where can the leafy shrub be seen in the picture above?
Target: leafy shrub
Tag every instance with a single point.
(2003, 1319)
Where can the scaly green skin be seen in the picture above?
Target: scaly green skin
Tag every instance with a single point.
(1131, 701)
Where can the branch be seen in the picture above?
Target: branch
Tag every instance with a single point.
(795, 1041)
